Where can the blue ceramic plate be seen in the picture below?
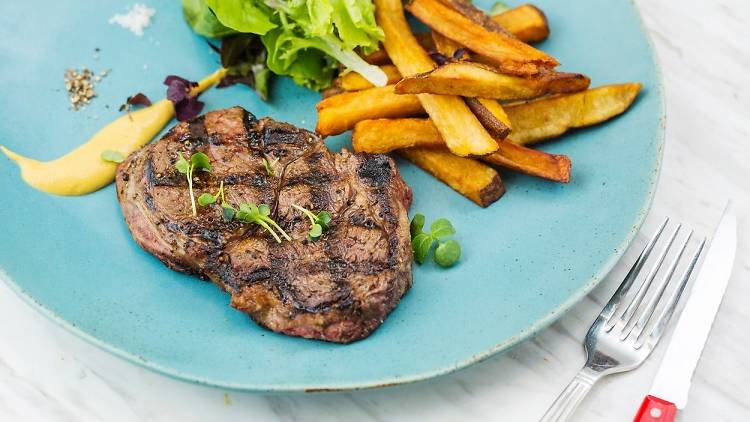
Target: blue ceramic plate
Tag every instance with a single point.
(527, 258)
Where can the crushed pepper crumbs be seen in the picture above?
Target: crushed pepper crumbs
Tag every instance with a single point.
(80, 86)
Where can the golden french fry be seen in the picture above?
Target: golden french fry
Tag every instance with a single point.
(353, 81)
(385, 135)
(381, 136)
(526, 22)
(480, 34)
(462, 132)
(472, 179)
(479, 80)
(547, 118)
(339, 113)
(489, 112)
(492, 116)
(529, 161)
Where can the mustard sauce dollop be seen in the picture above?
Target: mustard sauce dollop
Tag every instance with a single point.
(82, 170)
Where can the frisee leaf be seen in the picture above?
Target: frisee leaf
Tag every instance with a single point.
(112, 156)
(441, 228)
(447, 253)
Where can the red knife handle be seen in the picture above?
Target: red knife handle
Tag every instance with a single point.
(654, 409)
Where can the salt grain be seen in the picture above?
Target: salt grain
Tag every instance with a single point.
(136, 20)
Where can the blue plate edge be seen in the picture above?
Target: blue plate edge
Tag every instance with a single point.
(534, 328)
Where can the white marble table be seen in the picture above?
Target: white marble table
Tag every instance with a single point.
(47, 374)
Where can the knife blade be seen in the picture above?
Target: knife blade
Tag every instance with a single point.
(671, 385)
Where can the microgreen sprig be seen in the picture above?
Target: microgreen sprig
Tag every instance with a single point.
(259, 214)
(269, 166)
(198, 161)
(319, 222)
(447, 252)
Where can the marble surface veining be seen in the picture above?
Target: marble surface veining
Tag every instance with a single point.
(47, 374)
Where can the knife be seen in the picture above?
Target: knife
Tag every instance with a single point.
(669, 391)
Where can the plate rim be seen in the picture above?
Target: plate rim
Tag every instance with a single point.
(502, 346)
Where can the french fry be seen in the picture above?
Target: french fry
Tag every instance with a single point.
(532, 121)
(489, 112)
(380, 57)
(547, 118)
(526, 22)
(472, 179)
(339, 113)
(462, 132)
(353, 81)
(485, 37)
(529, 161)
(383, 136)
(491, 115)
(479, 80)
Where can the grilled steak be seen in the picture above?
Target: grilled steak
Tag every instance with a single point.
(338, 288)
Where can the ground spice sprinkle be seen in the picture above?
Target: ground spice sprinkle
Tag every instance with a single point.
(80, 86)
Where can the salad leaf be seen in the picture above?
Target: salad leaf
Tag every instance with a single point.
(243, 15)
(202, 19)
(305, 39)
(244, 57)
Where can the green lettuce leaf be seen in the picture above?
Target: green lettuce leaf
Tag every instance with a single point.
(307, 39)
(243, 15)
(203, 21)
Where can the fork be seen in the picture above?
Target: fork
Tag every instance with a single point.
(618, 341)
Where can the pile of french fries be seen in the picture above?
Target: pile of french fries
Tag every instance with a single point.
(469, 96)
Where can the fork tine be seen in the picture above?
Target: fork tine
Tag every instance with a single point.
(627, 315)
(627, 282)
(668, 311)
(645, 317)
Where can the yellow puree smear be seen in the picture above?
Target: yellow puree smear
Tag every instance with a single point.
(82, 170)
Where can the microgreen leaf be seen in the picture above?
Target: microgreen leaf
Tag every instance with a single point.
(200, 161)
(417, 224)
(206, 199)
(324, 218)
(264, 209)
(315, 231)
(447, 253)
(112, 156)
(421, 245)
(269, 165)
(227, 212)
(259, 214)
(318, 222)
(182, 164)
(441, 228)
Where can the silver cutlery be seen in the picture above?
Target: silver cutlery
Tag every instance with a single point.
(669, 390)
(625, 332)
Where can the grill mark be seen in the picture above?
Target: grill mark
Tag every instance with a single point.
(375, 170)
(197, 130)
(148, 175)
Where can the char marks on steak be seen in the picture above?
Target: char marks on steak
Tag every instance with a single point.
(338, 288)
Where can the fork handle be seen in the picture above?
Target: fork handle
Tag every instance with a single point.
(567, 402)
(654, 409)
